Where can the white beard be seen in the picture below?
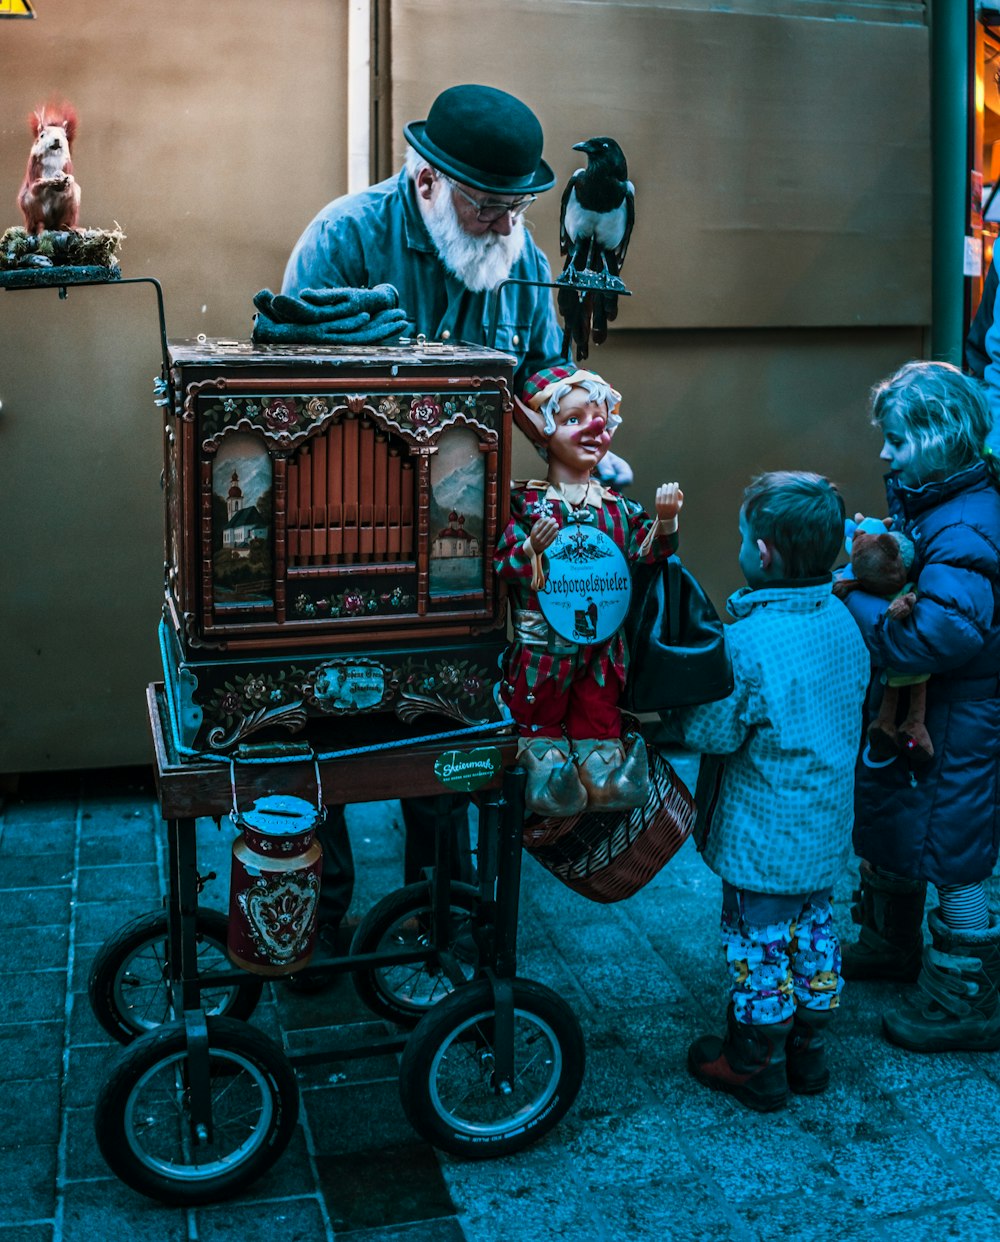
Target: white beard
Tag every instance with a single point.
(480, 263)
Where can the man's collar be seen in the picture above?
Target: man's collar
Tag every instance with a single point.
(417, 237)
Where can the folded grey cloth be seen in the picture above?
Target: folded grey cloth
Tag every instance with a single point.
(342, 305)
(377, 298)
(385, 326)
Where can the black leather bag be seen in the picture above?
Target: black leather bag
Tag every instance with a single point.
(675, 637)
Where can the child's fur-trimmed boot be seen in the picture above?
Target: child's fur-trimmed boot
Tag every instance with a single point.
(553, 787)
(614, 780)
(957, 1007)
(890, 944)
(805, 1051)
(748, 1063)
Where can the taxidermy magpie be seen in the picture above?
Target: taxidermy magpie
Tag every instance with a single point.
(595, 224)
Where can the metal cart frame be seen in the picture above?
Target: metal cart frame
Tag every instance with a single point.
(477, 1020)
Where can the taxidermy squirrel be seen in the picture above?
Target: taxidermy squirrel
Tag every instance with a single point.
(880, 564)
(50, 197)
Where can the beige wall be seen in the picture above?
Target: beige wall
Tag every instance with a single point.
(211, 133)
(781, 163)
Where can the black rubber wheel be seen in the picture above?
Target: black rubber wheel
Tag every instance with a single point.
(404, 993)
(128, 984)
(447, 1081)
(142, 1115)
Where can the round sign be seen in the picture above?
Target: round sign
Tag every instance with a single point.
(587, 593)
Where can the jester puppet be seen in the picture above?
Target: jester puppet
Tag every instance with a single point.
(566, 554)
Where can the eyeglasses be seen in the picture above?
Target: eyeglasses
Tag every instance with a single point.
(488, 212)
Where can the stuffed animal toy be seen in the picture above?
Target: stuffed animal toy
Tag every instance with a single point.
(49, 197)
(880, 564)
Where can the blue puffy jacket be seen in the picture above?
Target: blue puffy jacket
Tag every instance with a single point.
(945, 826)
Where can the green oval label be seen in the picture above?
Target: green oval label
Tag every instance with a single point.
(466, 770)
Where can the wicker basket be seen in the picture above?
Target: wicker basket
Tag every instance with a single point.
(608, 856)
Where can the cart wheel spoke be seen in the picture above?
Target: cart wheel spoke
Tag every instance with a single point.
(448, 1078)
(129, 985)
(143, 1113)
(404, 992)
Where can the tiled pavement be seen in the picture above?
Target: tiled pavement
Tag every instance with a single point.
(901, 1147)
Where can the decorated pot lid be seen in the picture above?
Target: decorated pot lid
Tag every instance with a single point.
(280, 815)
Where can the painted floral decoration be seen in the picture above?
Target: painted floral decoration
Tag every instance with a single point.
(280, 414)
(425, 412)
(251, 693)
(353, 603)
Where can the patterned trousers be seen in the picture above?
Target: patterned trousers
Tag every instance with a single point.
(782, 952)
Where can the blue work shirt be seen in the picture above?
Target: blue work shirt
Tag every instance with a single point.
(378, 236)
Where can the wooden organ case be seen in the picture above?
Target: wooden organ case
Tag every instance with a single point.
(331, 516)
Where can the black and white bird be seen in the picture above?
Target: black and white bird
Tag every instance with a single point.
(595, 224)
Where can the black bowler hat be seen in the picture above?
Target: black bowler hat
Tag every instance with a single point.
(484, 138)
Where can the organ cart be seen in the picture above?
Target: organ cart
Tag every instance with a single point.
(331, 631)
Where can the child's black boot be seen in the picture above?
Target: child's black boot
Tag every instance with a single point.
(748, 1063)
(805, 1052)
(890, 944)
(957, 1006)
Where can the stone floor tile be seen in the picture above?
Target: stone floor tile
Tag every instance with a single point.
(614, 969)
(42, 907)
(97, 920)
(127, 882)
(37, 870)
(31, 1050)
(440, 1229)
(959, 1113)
(29, 1111)
(611, 1085)
(88, 1068)
(761, 1143)
(896, 1171)
(355, 1118)
(30, 827)
(664, 1209)
(849, 1108)
(894, 1069)
(33, 996)
(34, 948)
(553, 1210)
(84, 1161)
(960, 1221)
(27, 1233)
(979, 1164)
(28, 1181)
(630, 1147)
(292, 1219)
(106, 849)
(109, 1210)
(394, 1185)
(779, 1218)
